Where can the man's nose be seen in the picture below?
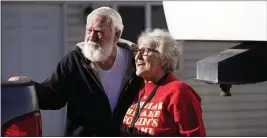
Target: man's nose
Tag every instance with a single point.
(93, 36)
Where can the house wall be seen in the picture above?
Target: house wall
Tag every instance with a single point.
(242, 114)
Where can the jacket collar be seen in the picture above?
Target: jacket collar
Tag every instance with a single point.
(131, 64)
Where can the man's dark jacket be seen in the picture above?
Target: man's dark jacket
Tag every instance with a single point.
(75, 83)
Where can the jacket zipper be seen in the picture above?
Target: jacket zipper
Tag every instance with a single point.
(123, 91)
(99, 85)
(103, 91)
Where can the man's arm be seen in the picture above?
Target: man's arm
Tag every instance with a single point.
(52, 93)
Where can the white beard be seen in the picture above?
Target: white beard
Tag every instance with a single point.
(95, 52)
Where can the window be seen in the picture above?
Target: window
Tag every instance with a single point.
(133, 20)
(157, 17)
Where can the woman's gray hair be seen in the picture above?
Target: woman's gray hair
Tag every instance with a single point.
(112, 16)
(168, 47)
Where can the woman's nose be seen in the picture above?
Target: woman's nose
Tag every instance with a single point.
(138, 55)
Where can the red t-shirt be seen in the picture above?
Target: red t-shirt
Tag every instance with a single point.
(175, 110)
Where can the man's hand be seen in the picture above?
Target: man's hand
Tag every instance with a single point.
(17, 78)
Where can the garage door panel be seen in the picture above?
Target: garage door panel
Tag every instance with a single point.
(32, 46)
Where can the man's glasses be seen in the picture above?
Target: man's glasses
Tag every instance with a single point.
(144, 51)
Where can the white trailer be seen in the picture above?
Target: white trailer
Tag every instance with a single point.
(243, 22)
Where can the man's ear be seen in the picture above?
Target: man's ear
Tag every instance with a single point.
(117, 36)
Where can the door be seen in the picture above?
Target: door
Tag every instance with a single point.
(32, 46)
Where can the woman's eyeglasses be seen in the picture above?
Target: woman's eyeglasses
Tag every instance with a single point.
(144, 51)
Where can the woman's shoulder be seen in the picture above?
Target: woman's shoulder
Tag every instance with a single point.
(174, 82)
(181, 89)
(177, 86)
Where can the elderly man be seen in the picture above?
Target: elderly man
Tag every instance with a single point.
(96, 80)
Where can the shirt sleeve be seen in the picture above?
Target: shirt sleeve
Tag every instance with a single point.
(186, 107)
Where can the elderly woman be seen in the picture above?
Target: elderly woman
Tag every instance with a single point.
(165, 105)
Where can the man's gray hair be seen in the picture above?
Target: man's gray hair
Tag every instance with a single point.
(112, 16)
(168, 47)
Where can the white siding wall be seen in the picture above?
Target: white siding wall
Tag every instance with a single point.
(242, 114)
(75, 27)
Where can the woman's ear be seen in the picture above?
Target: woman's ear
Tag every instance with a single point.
(163, 62)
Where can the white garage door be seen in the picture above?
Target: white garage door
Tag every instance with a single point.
(32, 46)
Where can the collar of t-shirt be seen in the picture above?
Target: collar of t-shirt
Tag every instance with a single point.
(112, 79)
